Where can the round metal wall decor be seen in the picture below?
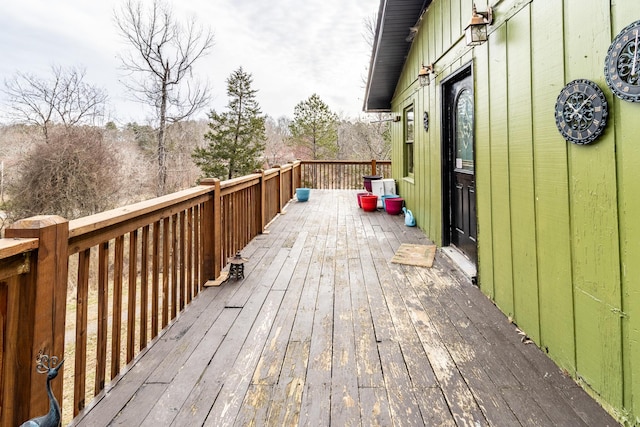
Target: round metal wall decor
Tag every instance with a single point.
(581, 111)
(622, 64)
(425, 121)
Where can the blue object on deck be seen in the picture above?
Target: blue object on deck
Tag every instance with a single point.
(302, 194)
(409, 220)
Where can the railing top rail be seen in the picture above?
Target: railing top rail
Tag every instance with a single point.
(236, 184)
(14, 246)
(238, 181)
(108, 218)
(349, 162)
(273, 171)
(91, 223)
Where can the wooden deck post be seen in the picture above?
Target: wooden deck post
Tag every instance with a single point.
(298, 173)
(212, 231)
(374, 167)
(280, 195)
(38, 324)
(292, 189)
(217, 229)
(263, 202)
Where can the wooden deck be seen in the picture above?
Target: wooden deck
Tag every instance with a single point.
(324, 330)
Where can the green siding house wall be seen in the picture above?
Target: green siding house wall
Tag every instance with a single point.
(558, 223)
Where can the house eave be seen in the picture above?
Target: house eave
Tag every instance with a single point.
(395, 28)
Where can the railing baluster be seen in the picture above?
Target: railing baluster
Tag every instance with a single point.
(103, 311)
(144, 287)
(116, 312)
(131, 306)
(155, 280)
(188, 264)
(198, 251)
(181, 263)
(165, 272)
(82, 308)
(174, 266)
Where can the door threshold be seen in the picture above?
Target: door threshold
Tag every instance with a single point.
(461, 260)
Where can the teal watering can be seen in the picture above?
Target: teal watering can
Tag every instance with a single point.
(409, 220)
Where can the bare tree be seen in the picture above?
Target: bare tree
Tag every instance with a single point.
(73, 175)
(63, 98)
(160, 64)
(277, 148)
(365, 139)
(369, 33)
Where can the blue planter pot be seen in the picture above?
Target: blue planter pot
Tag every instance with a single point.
(302, 194)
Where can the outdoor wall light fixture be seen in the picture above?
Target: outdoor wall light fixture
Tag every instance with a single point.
(476, 32)
(423, 74)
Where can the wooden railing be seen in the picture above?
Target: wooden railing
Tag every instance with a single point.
(98, 290)
(129, 272)
(341, 174)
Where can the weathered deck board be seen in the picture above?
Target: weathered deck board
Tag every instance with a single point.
(325, 330)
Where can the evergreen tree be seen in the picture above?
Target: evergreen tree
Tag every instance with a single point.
(314, 128)
(237, 136)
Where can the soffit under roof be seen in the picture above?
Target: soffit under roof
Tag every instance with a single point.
(394, 33)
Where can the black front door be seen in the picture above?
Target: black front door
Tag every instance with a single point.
(458, 161)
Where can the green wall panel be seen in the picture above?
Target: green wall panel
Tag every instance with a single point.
(523, 219)
(483, 170)
(423, 168)
(551, 188)
(435, 180)
(446, 22)
(594, 216)
(455, 29)
(625, 119)
(436, 14)
(500, 203)
(598, 354)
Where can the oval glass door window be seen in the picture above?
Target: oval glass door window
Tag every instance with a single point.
(464, 131)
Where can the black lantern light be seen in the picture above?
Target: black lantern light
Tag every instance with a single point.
(236, 266)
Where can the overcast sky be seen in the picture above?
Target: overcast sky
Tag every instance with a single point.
(292, 48)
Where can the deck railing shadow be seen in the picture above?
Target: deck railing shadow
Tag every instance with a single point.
(137, 267)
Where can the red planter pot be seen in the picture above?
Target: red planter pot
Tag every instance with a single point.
(360, 196)
(369, 202)
(393, 205)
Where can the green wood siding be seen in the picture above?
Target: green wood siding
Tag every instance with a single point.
(625, 118)
(551, 188)
(483, 171)
(558, 235)
(499, 169)
(521, 176)
(593, 205)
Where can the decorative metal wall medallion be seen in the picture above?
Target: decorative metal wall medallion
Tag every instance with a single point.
(425, 121)
(622, 64)
(581, 111)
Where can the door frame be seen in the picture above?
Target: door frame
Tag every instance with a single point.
(446, 149)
